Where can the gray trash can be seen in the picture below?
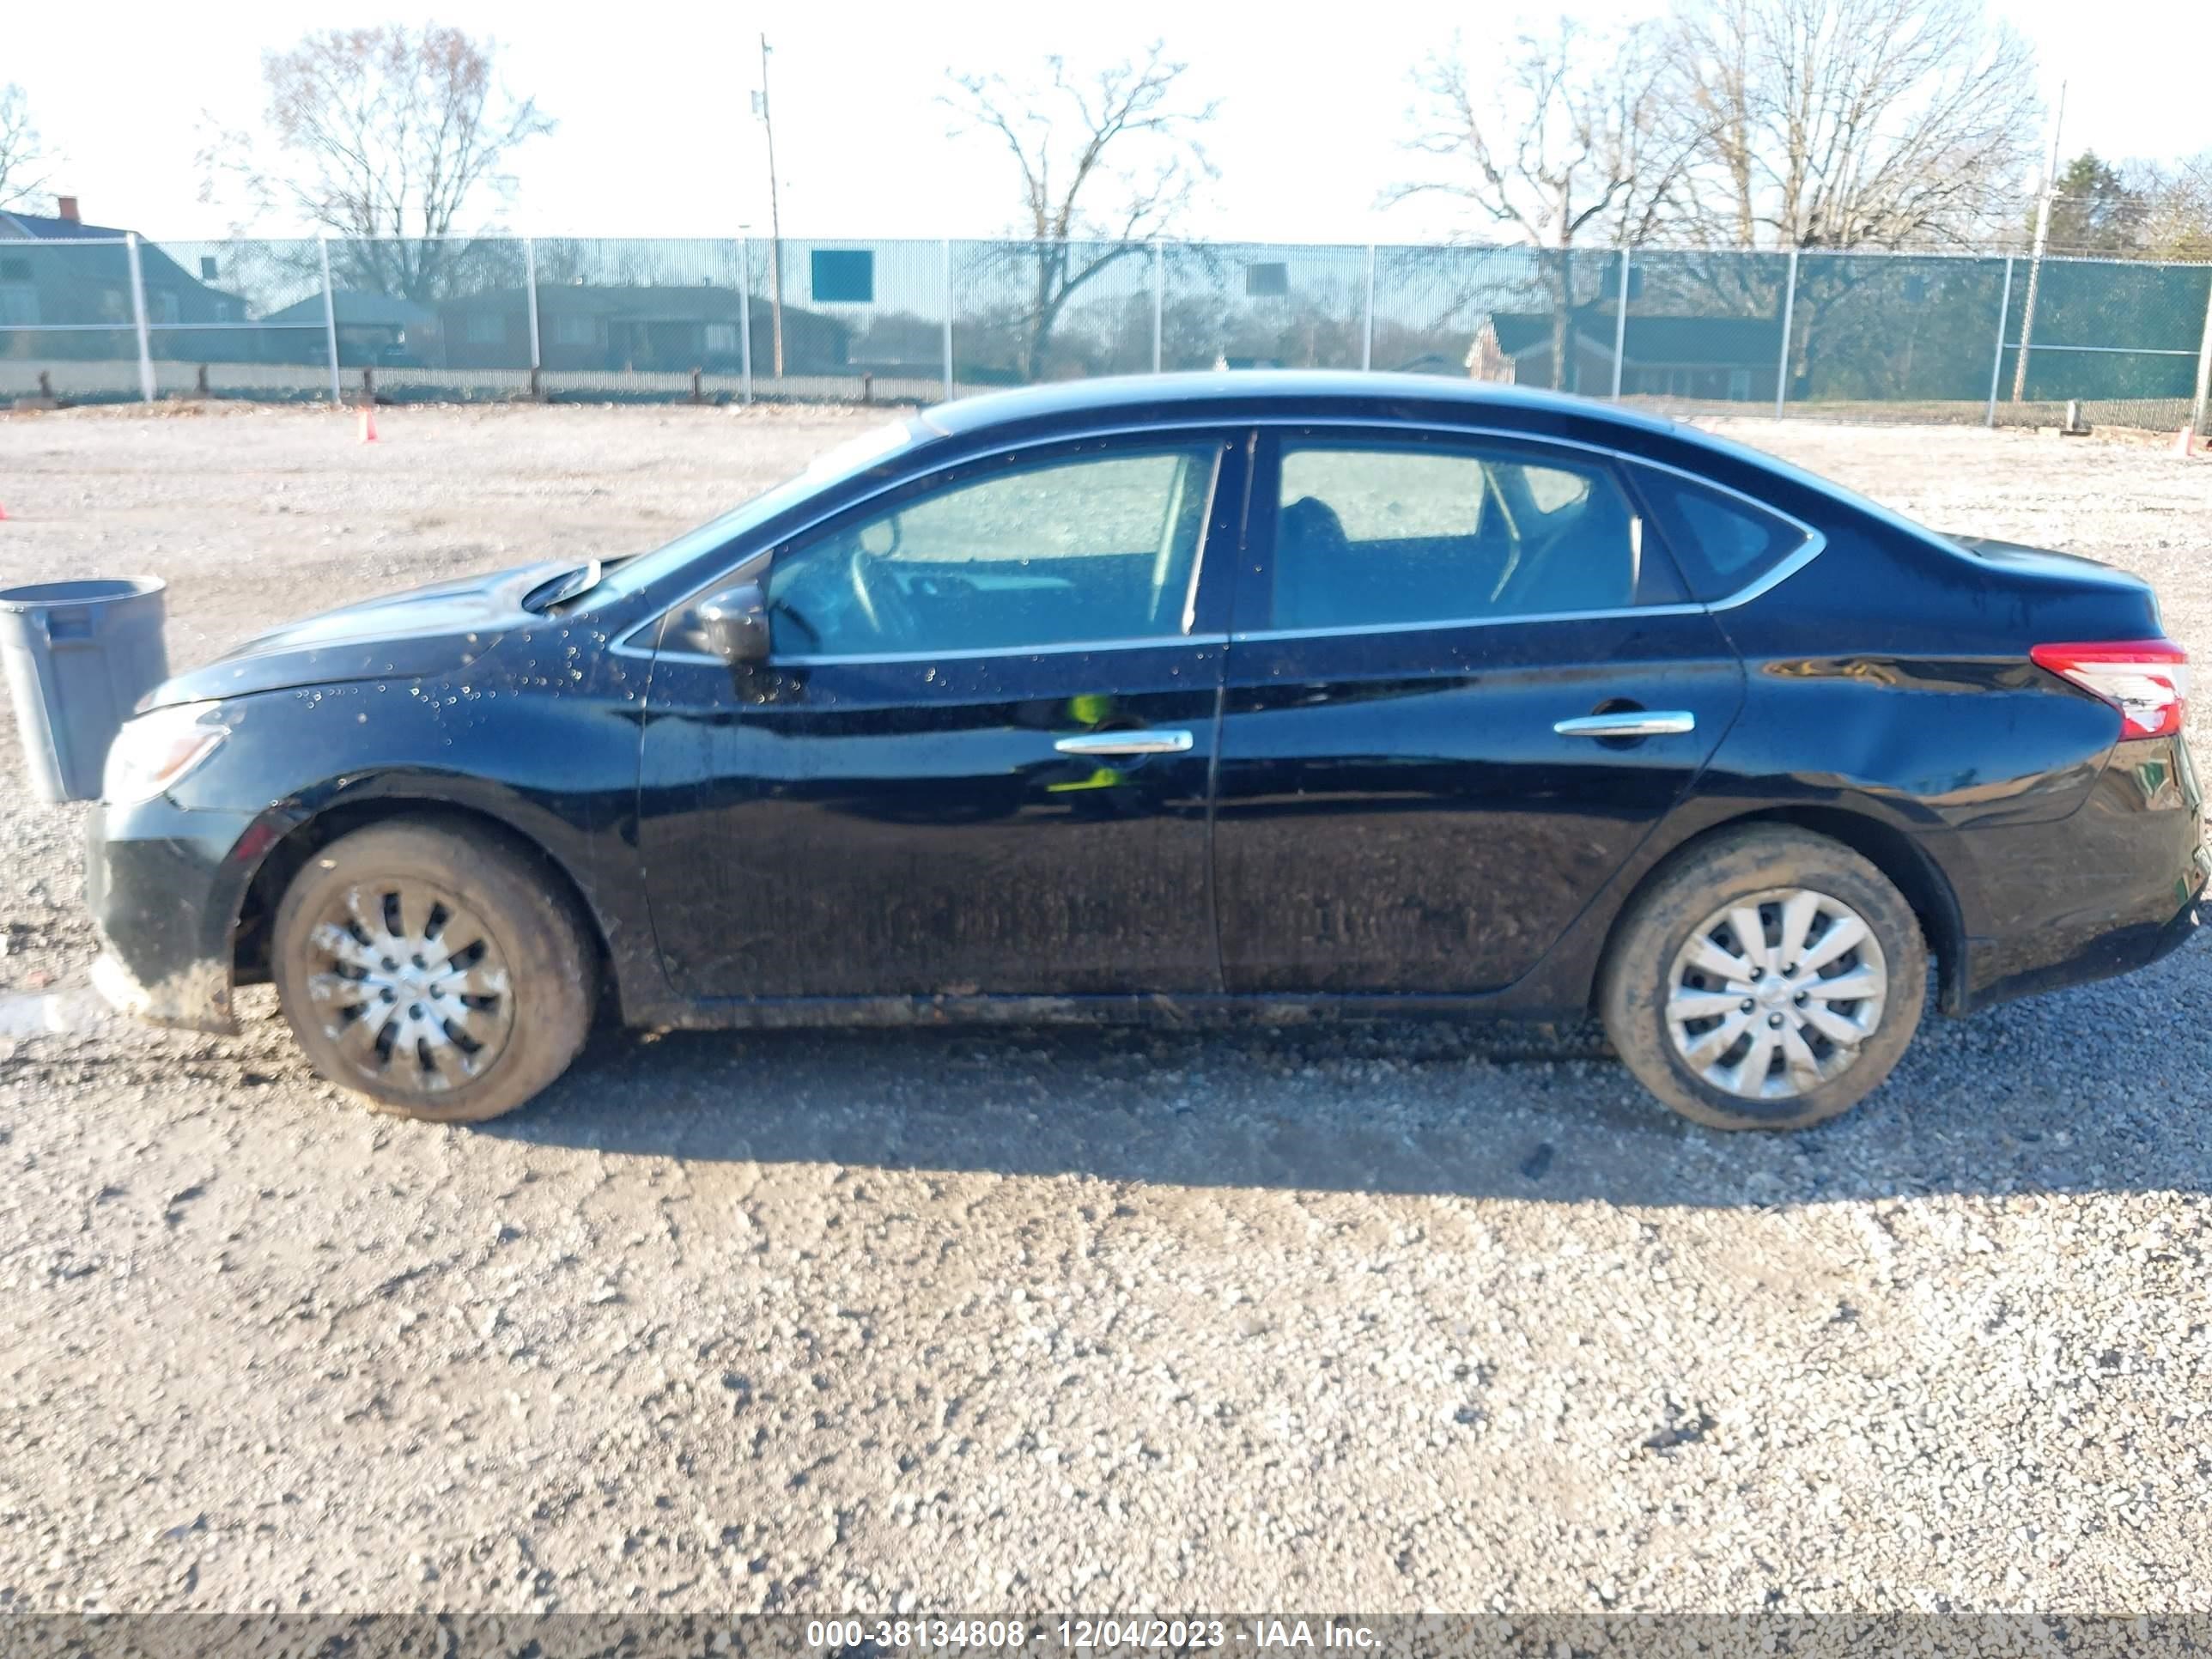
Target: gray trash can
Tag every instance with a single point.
(78, 655)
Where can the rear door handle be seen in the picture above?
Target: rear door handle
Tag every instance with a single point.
(1125, 743)
(1629, 723)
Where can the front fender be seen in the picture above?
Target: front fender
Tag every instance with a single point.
(555, 768)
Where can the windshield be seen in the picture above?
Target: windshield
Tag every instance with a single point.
(833, 465)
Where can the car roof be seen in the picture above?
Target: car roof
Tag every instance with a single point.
(1320, 395)
(1269, 392)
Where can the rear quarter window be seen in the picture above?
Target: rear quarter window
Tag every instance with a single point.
(1722, 542)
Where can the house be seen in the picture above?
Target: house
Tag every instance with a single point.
(61, 271)
(374, 331)
(889, 343)
(585, 327)
(1723, 358)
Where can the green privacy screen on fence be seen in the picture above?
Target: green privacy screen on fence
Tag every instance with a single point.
(1918, 337)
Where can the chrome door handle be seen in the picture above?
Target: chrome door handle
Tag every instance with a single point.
(1629, 723)
(1125, 743)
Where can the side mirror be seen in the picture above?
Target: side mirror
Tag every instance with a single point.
(734, 624)
(882, 536)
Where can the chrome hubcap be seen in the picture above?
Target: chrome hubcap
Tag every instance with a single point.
(1776, 994)
(409, 986)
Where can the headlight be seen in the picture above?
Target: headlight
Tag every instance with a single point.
(154, 751)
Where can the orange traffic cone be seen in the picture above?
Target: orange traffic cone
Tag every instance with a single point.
(368, 424)
(3, 512)
(2181, 439)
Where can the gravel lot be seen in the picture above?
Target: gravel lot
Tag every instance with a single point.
(1376, 1319)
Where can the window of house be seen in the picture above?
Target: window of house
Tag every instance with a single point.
(721, 336)
(161, 305)
(486, 328)
(1739, 385)
(573, 331)
(1371, 535)
(1102, 547)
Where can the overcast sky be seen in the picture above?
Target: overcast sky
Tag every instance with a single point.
(657, 135)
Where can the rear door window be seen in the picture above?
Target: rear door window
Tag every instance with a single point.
(1390, 533)
(1722, 543)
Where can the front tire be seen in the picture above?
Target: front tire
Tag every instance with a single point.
(434, 972)
(1770, 980)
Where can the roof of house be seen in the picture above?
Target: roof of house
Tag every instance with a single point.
(1730, 342)
(663, 303)
(1429, 363)
(356, 309)
(38, 227)
(105, 264)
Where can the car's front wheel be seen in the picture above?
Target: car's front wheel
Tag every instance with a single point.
(429, 968)
(1770, 980)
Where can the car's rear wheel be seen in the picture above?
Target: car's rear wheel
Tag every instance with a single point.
(1770, 980)
(431, 970)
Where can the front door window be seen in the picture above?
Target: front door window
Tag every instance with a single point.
(1085, 549)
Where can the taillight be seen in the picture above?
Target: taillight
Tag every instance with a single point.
(2147, 680)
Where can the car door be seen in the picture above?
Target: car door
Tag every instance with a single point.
(1465, 683)
(977, 760)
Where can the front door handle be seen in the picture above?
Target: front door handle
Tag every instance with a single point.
(1629, 723)
(1125, 743)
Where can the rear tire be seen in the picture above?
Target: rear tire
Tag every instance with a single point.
(426, 967)
(1737, 1036)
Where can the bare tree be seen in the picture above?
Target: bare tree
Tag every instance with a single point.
(1110, 158)
(1567, 135)
(1843, 124)
(1570, 139)
(2177, 220)
(1853, 123)
(384, 132)
(24, 157)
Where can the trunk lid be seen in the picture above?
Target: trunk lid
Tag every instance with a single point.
(2064, 595)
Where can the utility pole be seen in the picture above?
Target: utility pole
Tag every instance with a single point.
(2196, 416)
(2035, 260)
(774, 218)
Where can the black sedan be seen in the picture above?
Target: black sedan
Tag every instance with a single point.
(1284, 693)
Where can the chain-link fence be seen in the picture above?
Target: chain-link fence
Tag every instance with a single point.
(1978, 338)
